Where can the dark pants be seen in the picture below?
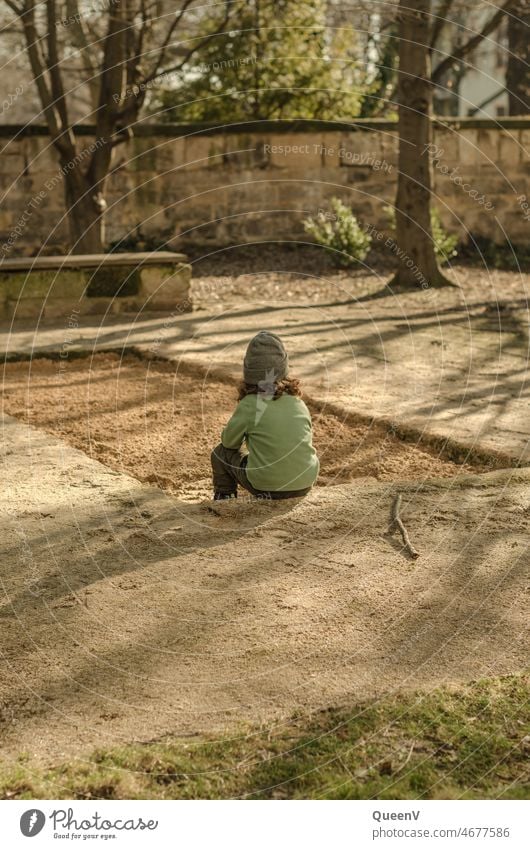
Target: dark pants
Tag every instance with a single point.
(229, 467)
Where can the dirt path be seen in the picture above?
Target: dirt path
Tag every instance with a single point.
(127, 614)
(146, 419)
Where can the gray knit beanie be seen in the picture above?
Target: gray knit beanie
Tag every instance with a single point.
(266, 359)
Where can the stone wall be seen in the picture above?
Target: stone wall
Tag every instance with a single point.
(54, 287)
(204, 186)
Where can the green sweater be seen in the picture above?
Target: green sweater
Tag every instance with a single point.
(278, 437)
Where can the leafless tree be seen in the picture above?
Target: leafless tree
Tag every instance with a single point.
(132, 44)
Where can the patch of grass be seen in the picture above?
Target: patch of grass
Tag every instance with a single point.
(472, 742)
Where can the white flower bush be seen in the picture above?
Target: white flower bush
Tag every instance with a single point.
(339, 232)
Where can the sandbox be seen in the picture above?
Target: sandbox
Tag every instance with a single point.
(159, 421)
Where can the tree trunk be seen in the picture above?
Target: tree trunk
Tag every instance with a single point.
(418, 267)
(518, 69)
(85, 208)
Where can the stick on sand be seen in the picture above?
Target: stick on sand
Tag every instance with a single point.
(397, 521)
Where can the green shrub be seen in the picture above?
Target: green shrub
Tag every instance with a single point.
(339, 232)
(444, 243)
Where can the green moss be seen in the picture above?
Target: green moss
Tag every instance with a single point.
(107, 282)
(68, 283)
(466, 743)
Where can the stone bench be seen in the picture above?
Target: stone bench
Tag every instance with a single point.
(54, 286)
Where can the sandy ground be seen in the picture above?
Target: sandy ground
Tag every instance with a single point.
(130, 611)
(127, 614)
(450, 363)
(160, 425)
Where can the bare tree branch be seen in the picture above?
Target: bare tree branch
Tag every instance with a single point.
(59, 133)
(464, 49)
(157, 72)
(440, 21)
(81, 41)
(161, 55)
(396, 520)
(18, 10)
(111, 80)
(54, 69)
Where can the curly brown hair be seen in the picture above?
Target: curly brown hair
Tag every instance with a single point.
(286, 386)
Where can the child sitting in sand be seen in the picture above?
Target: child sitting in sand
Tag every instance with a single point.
(275, 424)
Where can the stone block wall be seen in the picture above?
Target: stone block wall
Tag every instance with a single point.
(202, 186)
(56, 292)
